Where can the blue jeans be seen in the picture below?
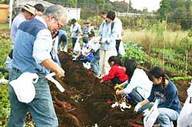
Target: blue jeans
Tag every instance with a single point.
(166, 116)
(95, 66)
(135, 97)
(41, 108)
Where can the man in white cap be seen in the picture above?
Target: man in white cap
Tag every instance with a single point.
(33, 44)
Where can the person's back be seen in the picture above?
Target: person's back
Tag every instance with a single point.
(141, 82)
(22, 56)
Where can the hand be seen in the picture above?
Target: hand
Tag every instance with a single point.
(118, 92)
(101, 81)
(137, 107)
(60, 73)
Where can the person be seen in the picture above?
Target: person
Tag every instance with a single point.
(86, 30)
(27, 13)
(139, 86)
(75, 31)
(107, 48)
(93, 44)
(31, 54)
(39, 9)
(117, 25)
(166, 92)
(117, 73)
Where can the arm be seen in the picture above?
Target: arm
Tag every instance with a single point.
(110, 75)
(41, 52)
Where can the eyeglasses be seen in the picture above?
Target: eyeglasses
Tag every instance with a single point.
(60, 25)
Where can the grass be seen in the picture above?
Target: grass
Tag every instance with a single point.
(4, 26)
(149, 39)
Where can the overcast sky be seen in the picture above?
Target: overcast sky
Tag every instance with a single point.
(141, 4)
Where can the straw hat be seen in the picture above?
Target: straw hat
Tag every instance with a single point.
(29, 8)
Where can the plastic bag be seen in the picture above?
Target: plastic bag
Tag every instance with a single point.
(185, 117)
(152, 115)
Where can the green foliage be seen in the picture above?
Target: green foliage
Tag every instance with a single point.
(179, 12)
(134, 51)
(5, 106)
(4, 49)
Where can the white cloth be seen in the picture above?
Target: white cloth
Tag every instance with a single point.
(185, 116)
(140, 81)
(75, 30)
(118, 27)
(103, 61)
(24, 88)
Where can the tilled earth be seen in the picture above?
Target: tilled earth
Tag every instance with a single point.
(87, 103)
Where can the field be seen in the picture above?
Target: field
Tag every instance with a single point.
(89, 99)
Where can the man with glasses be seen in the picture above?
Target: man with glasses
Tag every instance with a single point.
(33, 44)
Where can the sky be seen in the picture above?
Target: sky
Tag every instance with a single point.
(151, 5)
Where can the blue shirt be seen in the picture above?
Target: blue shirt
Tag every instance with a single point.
(33, 44)
(168, 96)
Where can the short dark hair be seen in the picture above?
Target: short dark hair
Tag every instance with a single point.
(111, 15)
(73, 21)
(157, 72)
(39, 7)
(115, 59)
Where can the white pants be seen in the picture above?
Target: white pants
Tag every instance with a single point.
(103, 62)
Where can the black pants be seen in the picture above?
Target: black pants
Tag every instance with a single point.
(117, 45)
(74, 41)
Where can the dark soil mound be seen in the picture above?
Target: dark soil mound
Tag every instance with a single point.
(87, 102)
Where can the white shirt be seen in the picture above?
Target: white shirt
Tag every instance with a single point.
(119, 27)
(43, 44)
(15, 24)
(75, 30)
(140, 81)
(108, 36)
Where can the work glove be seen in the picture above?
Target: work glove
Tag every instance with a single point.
(137, 107)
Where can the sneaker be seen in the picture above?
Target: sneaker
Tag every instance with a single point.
(123, 105)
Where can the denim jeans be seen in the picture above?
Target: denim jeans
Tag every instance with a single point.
(41, 108)
(166, 117)
(135, 97)
(95, 66)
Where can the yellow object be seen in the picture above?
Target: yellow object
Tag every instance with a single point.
(4, 12)
(118, 87)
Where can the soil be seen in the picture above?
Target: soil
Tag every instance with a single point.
(87, 103)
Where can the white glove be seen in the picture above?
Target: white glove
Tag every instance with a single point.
(137, 107)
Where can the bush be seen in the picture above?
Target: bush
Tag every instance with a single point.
(134, 51)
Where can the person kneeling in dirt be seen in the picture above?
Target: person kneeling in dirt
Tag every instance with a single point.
(90, 53)
(138, 87)
(117, 73)
(164, 90)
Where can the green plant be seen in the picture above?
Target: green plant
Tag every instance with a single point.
(134, 51)
(5, 106)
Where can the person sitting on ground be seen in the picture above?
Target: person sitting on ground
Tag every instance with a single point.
(166, 92)
(117, 73)
(139, 86)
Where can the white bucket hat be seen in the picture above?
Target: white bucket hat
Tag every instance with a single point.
(29, 8)
(24, 88)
